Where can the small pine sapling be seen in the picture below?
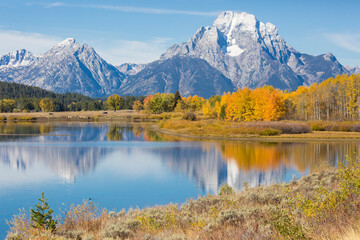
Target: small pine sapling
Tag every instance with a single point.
(42, 216)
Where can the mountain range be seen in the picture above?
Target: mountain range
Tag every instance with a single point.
(237, 51)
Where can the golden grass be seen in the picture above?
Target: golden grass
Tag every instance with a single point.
(303, 209)
(221, 129)
(208, 128)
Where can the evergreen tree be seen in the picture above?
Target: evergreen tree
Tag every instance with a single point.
(42, 216)
(177, 97)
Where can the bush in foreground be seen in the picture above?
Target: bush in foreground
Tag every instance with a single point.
(323, 205)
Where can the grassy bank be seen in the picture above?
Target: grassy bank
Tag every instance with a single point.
(81, 116)
(323, 205)
(283, 130)
(175, 124)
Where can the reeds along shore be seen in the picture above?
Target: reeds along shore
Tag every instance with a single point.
(322, 205)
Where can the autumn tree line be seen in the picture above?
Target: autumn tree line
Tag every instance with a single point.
(333, 99)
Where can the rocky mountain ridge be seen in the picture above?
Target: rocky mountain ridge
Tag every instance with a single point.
(237, 51)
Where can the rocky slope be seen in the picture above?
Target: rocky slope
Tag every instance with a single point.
(67, 67)
(252, 53)
(236, 51)
(188, 75)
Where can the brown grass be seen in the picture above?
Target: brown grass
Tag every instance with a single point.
(290, 131)
(323, 205)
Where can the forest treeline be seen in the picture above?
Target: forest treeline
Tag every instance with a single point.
(16, 97)
(333, 99)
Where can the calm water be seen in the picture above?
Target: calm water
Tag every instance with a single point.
(122, 166)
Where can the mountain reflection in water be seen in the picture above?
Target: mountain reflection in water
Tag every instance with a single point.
(128, 165)
(208, 164)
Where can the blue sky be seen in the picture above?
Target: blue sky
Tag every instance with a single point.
(140, 30)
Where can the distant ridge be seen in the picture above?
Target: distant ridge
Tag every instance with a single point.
(17, 90)
(237, 51)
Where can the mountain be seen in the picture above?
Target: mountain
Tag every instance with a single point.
(131, 68)
(353, 70)
(67, 67)
(252, 53)
(237, 51)
(188, 75)
(16, 59)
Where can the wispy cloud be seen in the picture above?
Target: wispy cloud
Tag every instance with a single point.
(347, 41)
(125, 51)
(34, 42)
(56, 4)
(130, 9)
(115, 52)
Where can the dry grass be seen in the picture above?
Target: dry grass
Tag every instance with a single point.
(323, 205)
(290, 131)
(334, 126)
(123, 115)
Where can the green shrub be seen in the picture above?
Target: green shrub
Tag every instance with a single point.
(190, 116)
(27, 118)
(285, 225)
(226, 190)
(318, 127)
(2, 118)
(269, 132)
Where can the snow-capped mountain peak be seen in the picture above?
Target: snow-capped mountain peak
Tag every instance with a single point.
(238, 50)
(17, 58)
(68, 67)
(252, 53)
(228, 21)
(67, 42)
(353, 70)
(68, 45)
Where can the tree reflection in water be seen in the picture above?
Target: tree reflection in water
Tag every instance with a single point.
(115, 132)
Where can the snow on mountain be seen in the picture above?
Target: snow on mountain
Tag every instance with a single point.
(252, 53)
(130, 68)
(238, 50)
(68, 67)
(353, 70)
(16, 59)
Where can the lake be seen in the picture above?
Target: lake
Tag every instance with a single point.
(122, 166)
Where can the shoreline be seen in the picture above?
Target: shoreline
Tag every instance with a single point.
(262, 212)
(80, 116)
(130, 116)
(255, 138)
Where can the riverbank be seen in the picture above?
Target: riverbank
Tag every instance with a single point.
(81, 116)
(172, 124)
(253, 131)
(323, 205)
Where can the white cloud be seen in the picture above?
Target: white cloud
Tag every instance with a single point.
(130, 9)
(347, 41)
(124, 51)
(34, 42)
(56, 4)
(115, 52)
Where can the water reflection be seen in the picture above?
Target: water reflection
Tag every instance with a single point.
(124, 165)
(208, 164)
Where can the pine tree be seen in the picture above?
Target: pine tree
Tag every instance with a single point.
(42, 216)
(177, 97)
